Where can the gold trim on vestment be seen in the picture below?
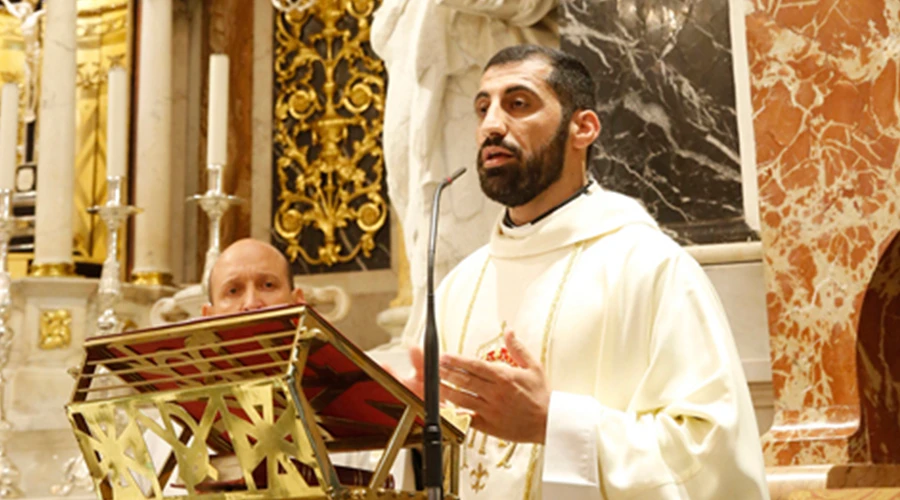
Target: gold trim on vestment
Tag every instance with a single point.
(545, 342)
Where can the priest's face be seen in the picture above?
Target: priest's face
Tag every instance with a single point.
(250, 275)
(522, 132)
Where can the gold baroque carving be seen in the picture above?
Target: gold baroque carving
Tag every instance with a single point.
(56, 329)
(329, 109)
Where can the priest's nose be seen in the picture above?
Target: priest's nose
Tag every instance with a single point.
(492, 124)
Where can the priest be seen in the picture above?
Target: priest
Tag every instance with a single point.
(589, 348)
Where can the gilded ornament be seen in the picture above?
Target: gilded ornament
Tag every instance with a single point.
(56, 329)
(56, 269)
(291, 222)
(360, 98)
(370, 218)
(151, 278)
(301, 104)
(329, 108)
(362, 8)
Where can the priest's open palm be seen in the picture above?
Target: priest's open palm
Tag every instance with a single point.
(507, 402)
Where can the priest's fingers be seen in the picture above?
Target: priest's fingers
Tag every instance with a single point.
(464, 379)
(462, 397)
(476, 367)
(417, 359)
(518, 352)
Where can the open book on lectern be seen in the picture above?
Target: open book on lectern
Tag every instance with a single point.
(247, 406)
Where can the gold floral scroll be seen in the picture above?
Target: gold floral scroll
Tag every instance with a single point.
(329, 207)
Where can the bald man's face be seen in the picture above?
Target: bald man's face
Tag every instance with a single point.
(249, 275)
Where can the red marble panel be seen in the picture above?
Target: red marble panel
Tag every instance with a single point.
(824, 91)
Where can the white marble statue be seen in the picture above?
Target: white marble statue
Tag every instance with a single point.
(25, 11)
(434, 51)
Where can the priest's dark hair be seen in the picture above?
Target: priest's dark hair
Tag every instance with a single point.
(570, 79)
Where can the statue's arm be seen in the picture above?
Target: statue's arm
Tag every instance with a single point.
(518, 12)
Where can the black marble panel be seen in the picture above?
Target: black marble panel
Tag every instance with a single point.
(667, 106)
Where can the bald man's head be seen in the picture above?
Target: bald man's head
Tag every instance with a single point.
(250, 274)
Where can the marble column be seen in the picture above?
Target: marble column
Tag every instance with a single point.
(56, 144)
(824, 87)
(153, 157)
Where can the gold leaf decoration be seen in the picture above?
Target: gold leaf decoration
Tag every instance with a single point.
(329, 108)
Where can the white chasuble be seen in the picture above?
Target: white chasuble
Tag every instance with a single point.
(649, 398)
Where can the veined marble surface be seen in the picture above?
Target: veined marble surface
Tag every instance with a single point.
(666, 99)
(824, 85)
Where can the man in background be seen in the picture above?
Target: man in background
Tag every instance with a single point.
(248, 275)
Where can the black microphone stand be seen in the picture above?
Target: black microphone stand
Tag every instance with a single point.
(431, 442)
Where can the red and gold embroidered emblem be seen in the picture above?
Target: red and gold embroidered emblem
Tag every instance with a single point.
(501, 354)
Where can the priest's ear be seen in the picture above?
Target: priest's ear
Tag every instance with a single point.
(297, 294)
(584, 127)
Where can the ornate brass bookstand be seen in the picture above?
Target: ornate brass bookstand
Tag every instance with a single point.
(274, 391)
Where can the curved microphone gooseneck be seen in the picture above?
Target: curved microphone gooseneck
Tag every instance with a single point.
(434, 480)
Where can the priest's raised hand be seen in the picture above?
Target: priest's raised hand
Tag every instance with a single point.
(507, 401)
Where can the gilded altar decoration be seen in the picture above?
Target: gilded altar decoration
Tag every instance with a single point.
(56, 329)
(329, 206)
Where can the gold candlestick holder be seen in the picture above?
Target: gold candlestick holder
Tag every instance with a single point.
(214, 202)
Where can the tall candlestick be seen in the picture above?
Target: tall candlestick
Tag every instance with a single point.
(217, 121)
(9, 134)
(117, 123)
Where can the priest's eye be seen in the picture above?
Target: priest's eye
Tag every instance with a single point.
(232, 291)
(269, 284)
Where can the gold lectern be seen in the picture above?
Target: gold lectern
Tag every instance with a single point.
(271, 392)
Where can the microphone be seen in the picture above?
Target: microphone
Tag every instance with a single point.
(431, 442)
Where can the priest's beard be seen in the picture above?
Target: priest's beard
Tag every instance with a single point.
(517, 183)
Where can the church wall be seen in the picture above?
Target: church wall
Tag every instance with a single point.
(669, 108)
(824, 92)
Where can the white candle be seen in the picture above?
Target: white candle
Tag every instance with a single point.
(117, 123)
(217, 122)
(9, 134)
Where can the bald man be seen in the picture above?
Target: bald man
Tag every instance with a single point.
(248, 275)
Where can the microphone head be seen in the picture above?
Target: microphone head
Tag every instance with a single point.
(455, 175)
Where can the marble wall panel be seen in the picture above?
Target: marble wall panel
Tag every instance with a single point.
(824, 91)
(666, 97)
